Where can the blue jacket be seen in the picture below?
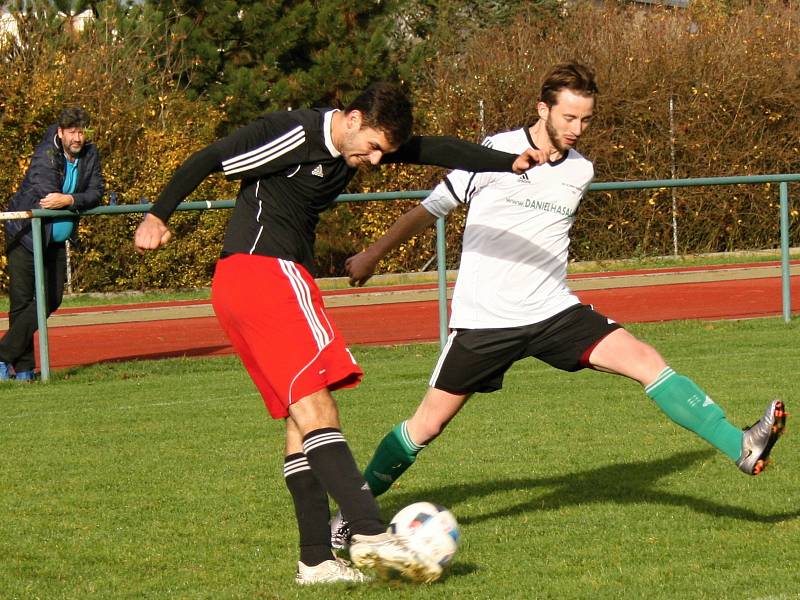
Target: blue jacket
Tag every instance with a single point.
(46, 174)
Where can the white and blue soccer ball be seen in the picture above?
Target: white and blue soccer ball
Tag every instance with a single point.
(430, 530)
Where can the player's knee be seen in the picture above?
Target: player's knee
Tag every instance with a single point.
(424, 430)
(650, 356)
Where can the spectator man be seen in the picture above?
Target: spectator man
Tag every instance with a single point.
(64, 173)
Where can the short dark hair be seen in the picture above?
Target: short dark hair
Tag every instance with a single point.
(73, 116)
(573, 76)
(386, 108)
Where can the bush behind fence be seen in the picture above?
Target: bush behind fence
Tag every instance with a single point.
(730, 76)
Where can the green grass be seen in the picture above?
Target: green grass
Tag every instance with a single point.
(163, 479)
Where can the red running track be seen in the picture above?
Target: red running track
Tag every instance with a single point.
(413, 321)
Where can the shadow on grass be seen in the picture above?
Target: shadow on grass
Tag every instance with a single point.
(626, 483)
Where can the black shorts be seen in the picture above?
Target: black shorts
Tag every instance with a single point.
(475, 360)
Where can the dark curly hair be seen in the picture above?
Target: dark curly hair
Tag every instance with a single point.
(73, 116)
(386, 108)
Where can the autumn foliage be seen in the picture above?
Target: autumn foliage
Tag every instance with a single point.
(730, 74)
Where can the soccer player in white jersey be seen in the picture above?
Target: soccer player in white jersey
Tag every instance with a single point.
(511, 298)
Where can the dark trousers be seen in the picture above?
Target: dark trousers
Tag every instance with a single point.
(16, 347)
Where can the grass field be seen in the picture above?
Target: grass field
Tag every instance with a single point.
(164, 480)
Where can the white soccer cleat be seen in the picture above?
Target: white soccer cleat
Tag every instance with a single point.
(330, 571)
(389, 554)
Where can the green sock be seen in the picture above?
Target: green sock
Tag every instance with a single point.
(689, 406)
(392, 457)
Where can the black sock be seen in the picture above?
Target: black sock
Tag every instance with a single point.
(311, 509)
(333, 464)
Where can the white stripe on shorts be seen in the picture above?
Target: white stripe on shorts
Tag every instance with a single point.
(442, 356)
(303, 295)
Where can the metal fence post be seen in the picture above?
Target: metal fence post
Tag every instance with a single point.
(41, 298)
(786, 283)
(441, 262)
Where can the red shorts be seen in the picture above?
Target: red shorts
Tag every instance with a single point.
(272, 311)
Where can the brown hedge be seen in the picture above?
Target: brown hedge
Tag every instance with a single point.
(732, 76)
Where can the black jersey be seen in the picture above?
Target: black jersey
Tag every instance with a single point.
(288, 181)
(290, 172)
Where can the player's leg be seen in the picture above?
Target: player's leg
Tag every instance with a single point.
(317, 562)
(683, 401)
(282, 342)
(677, 396)
(309, 498)
(398, 450)
(272, 312)
(330, 459)
(473, 360)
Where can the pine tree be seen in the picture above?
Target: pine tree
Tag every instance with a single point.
(254, 56)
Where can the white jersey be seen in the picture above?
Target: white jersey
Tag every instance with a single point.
(513, 268)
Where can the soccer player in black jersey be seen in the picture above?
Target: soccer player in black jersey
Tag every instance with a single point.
(292, 165)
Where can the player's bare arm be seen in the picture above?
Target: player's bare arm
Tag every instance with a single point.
(151, 234)
(361, 266)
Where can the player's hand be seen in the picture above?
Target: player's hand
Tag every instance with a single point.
(56, 200)
(360, 268)
(529, 159)
(151, 233)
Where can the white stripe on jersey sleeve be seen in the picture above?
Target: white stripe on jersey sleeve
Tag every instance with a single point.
(263, 154)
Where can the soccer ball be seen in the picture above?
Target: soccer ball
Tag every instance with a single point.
(431, 530)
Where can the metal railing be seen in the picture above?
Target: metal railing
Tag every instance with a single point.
(36, 216)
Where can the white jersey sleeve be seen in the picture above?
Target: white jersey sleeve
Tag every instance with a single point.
(458, 188)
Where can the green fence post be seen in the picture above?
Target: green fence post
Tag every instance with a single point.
(441, 262)
(786, 282)
(41, 298)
